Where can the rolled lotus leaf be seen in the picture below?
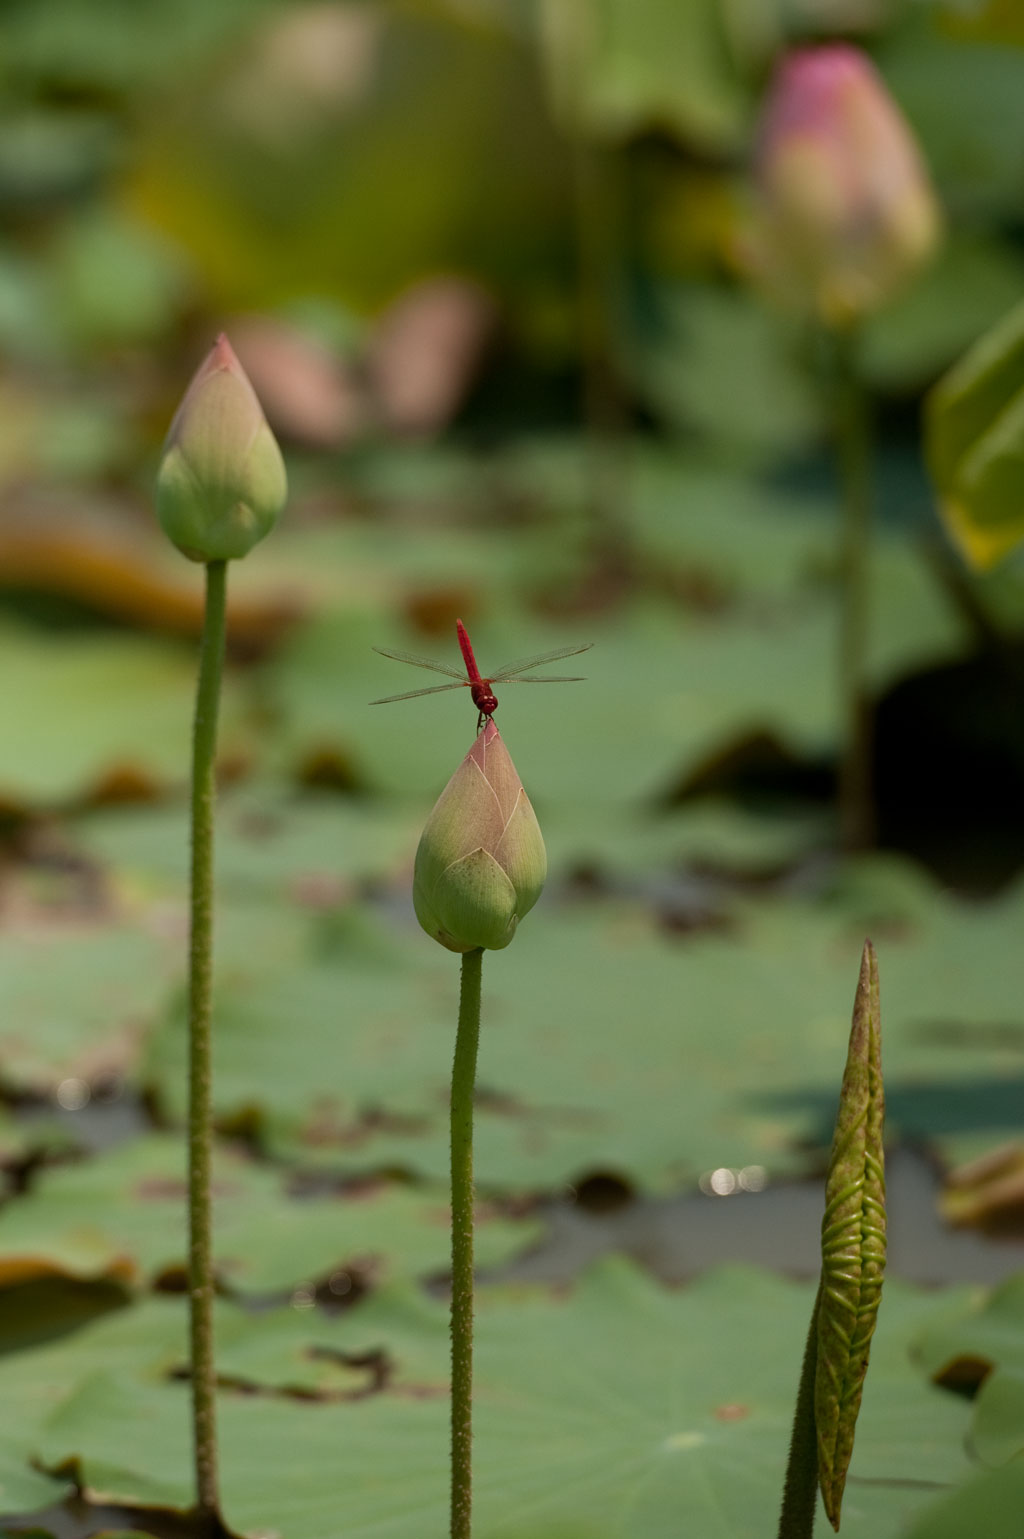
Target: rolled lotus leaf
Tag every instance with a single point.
(852, 1244)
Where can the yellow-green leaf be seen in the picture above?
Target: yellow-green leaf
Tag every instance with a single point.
(974, 440)
(852, 1244)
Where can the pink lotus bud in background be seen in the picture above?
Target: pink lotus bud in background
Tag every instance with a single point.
(846, 212)
(221, 484)
(481, 863)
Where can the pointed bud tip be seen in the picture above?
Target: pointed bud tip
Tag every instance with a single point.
(222, 483)
(224, 353)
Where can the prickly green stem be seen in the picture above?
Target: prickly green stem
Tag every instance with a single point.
(852, 1244)
(463, 1082)
(201, 1287)
(800, 1494)
(853, 432)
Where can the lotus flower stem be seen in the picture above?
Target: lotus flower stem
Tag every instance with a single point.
(463, 1082)
(800, 1493)
(853, 443)
(598, 216)
(201, 1290)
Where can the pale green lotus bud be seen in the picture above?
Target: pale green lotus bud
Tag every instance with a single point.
(481, 861)
(221, 484)
(846, 211)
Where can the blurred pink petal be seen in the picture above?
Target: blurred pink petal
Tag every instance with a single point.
(846, 212)
(426, 352)
(308, 394)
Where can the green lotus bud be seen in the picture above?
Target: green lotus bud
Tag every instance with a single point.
(222, 484)
(481, 861)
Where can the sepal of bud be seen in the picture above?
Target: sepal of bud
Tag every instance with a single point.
(481, 863)
(846, 212)
(221, 484)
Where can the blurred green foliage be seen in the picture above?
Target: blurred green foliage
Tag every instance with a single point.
(484, 260)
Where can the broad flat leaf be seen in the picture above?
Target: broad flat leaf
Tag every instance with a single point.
(260, 199)
(122, 1214)
(984, 1344)
(623, 66)
(76, 1000)
(982, 1333)
(621, 1409)
(735, 538)
(710, 832)
(997, 1433)
(990, 1504)
(101, 49)
(970, 284)
(974, 424)
(988, 21)
(23, 1489)
(761, 657)
(680, 688)
(115, 282)
(966, 108)
(740, 1041)
(718, 363)
(270, 845)
(96, 711)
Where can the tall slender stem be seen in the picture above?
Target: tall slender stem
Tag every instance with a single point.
(596, 176)
(853, 437)
(800, 1493)
(204, 745)
(463, 1081)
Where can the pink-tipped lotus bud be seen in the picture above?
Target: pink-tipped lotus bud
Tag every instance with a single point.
(481, 861)
(846, 212)
(221, 484)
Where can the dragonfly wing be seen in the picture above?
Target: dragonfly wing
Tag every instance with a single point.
(521, 666)
(411, 694)
(423, 662)
(545, 678)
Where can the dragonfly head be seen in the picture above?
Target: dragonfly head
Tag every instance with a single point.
(485, 700)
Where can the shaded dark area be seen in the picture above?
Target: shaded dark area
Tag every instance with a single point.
(948, 764)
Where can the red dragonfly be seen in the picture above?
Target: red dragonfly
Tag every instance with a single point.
(484, 698)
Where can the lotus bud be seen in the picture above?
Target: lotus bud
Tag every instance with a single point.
(846, 211)
(481, 861)
(221, 484)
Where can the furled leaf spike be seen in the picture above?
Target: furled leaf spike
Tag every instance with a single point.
(852, 1243)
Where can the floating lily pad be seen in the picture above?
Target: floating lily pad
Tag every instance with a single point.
(981, 1343)
(122, 1214)
(657, 695)
(621, 1408)
(270, 843)
(76, 1000)
(981, 1332)
(101, 713)
(346, 1062)
(990, 1504)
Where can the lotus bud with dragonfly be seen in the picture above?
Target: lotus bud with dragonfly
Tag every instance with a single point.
(480, 687)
